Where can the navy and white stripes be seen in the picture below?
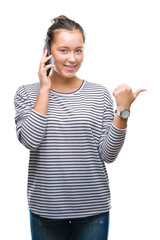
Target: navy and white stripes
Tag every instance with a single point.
(67, 176)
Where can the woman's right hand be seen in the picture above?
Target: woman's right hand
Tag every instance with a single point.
(45, 81)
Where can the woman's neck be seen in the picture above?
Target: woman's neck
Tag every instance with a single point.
(57, 80)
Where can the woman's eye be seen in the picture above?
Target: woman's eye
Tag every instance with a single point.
(63, 50)
(79, 50)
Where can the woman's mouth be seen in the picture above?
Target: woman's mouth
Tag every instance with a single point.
(70, 67)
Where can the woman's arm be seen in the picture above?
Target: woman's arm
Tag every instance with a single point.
(31, 120)
(114, 127)
(30, 125)
(41, 104)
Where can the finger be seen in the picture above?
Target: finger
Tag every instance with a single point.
(45, 59)
(136, 93)
(45, 51)
(49, 66)
(44, 54)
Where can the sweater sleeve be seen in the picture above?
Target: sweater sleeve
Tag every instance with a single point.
(112, 138)
(30, 125)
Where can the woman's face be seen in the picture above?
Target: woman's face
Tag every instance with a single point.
(67, 50)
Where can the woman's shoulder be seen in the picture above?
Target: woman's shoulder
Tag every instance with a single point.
(29, 88)
(27, 92)
(100, 90)
(97, 86)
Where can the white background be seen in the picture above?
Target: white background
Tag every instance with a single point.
(122, 46)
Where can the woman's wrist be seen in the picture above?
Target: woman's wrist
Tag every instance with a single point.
(44, 89)
(121, 108)
(41, 104)
(119, 122)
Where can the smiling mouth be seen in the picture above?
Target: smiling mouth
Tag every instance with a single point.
(70, 68)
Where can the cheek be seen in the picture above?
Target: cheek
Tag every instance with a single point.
(59, 60)
(81, 60)
(62, 59)
(82, 56)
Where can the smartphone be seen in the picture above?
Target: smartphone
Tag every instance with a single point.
(51, 61)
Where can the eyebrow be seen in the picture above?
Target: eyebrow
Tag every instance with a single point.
(68, 47)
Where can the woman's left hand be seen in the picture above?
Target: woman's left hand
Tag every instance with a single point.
(125, 97)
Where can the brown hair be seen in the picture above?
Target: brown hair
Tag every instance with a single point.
(62, 22)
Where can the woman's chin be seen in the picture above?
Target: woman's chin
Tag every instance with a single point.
(66, 74)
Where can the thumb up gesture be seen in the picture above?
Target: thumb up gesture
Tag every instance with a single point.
(125, 97)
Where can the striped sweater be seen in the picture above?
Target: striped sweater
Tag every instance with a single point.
(67, 176)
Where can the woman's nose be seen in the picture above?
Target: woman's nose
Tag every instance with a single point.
(71, 58)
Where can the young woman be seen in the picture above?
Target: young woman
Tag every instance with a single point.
(68, 124)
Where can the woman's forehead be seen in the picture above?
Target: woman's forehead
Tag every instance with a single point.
(63, 36)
